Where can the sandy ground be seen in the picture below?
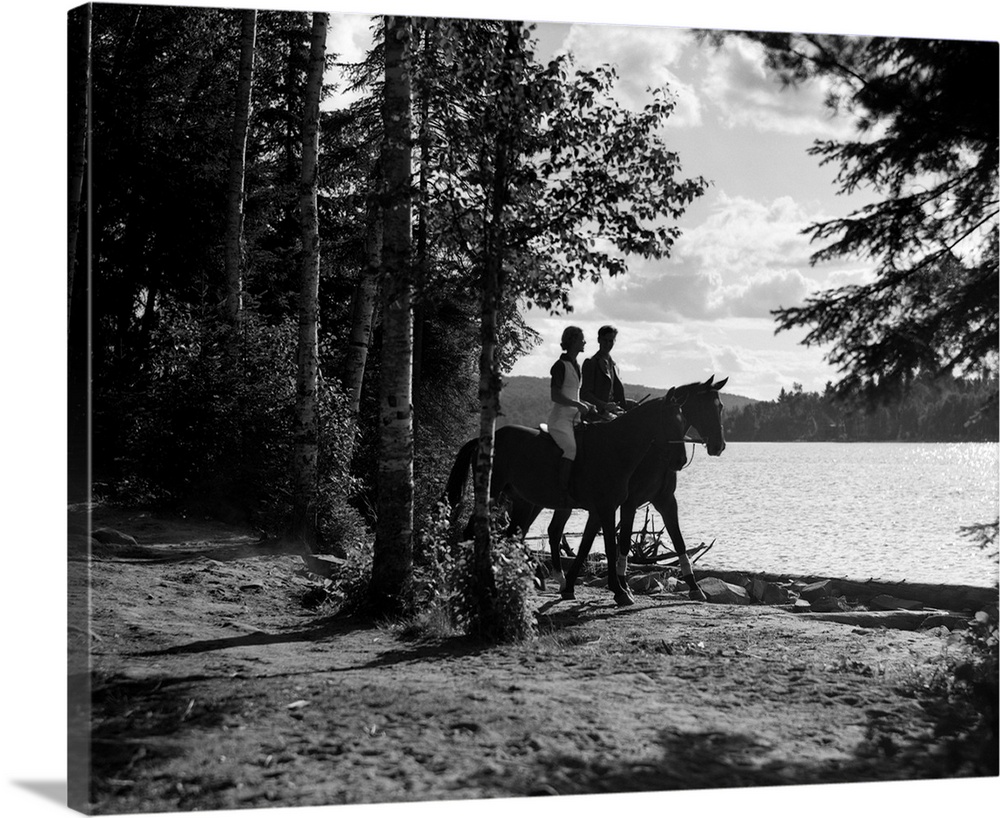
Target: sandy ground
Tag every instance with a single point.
(215, 687)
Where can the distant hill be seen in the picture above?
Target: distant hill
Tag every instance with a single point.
(525, 400)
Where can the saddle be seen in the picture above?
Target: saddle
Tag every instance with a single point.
(591, 419)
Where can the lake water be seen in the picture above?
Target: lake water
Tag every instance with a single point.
(890, 511)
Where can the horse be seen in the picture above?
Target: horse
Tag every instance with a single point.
(653, 481)
(526, 463)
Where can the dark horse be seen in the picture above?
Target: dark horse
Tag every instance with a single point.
(526, 463)
(653, 481)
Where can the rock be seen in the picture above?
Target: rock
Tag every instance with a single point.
(768, 593)
(325, 565)
(885, 602)
(818, 590)
(827, 604)
(645, 584)
(716, 590)
(108, 536)
(897, 620)
(953, 622)
(801, 606)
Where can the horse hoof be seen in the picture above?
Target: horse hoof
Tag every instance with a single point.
(621, 600)
(697, 595)
(568, 594)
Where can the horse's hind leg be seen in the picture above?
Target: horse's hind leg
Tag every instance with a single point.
(560, 516)
(589, 535)
(666, 505)
(624, 541)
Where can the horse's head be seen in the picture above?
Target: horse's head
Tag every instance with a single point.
(702, 408)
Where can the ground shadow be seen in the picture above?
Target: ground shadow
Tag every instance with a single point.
(717, 760)
(323, 629)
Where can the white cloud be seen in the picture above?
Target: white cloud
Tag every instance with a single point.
(744, 94)
(349, 38)
(644, 57)
(745, 259)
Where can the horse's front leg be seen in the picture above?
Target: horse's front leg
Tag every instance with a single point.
(666, 505)
(586, 541)
(623, 596)
(560, 516)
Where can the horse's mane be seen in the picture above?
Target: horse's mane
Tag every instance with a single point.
(682, 393)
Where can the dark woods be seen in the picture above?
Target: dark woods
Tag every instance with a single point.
(192, 304)
(177, 419)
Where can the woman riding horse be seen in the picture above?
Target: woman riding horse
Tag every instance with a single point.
(526, 464)
(653, 481)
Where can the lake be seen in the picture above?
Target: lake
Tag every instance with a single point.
(889, 511)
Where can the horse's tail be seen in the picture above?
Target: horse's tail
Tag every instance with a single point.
(460, 472)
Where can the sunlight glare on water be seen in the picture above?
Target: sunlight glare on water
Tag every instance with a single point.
(891, 511)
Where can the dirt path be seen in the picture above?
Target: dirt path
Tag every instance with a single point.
(215, 688)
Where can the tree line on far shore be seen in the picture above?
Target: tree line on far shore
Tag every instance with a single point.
(949, 409)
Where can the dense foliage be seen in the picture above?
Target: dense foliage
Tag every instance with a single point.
(926, 119)
(174, 420)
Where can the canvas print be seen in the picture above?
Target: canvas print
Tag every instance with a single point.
(468, 408)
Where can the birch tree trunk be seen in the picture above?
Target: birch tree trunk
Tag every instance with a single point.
(492, 291)
(362, 310)
(306, 431)
(233, 301)
(393, 557)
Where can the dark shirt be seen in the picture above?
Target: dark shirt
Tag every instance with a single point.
(601, 383)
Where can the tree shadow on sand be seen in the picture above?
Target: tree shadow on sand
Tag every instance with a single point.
(716, 760)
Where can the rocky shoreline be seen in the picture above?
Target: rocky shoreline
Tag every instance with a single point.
(871, 604)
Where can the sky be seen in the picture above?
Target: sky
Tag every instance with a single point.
(707, 309)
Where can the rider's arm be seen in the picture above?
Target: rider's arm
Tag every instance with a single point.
(587, 383)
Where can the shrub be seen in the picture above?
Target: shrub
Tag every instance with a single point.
(447, 596)
(211, 437)
(962, 698)
(510, 618)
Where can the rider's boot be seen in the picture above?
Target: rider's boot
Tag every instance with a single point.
(565, 470)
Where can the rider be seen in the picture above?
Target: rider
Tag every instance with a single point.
(566, 404)
(602, 385)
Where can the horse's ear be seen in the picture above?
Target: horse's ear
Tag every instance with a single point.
(721, 383)
(708, 383)
(671, 397)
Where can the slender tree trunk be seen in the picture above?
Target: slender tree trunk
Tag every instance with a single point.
(306, 434)
(362, 310)
(393, 557)
(233, 302)
(489, 375)
(420, 260)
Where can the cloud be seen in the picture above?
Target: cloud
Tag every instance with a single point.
(745, 259)
(743, 93)
(644, 57)
(349, 36)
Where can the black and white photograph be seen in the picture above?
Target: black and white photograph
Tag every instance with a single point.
(591, 407)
